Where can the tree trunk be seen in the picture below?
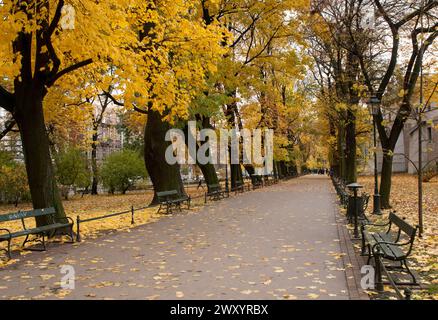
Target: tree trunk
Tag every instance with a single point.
(350, 137)
(208, 170)
(236, 175)
(275, 170)
(385, 181)
(165, 177)
(42, 183)
(341, 145)
(388, 146)
(95, 182)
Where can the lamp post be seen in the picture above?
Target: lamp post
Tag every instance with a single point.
(374, 107)
(355, 187)
(227, 189)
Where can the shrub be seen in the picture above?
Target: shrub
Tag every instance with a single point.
(13, 180)
(72, 170)
(121, 170)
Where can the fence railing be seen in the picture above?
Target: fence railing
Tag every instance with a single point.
(110, 215)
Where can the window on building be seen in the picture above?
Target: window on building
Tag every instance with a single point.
(429, 134)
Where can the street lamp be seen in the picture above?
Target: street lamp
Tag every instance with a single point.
(374, 108)
(227, 188)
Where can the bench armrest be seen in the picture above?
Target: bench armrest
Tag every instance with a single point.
(70, 220)
(390, 243)
(7, 230)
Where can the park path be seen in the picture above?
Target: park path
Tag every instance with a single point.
(281, 242)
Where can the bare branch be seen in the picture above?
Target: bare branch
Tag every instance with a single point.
(9, 127)
(6, 100)
(68, 70)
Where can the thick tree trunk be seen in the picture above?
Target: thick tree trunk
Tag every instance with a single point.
(333, 152)
(236, 169)
(350, 137)
(42, 183)
(385, 182)
(236, 175)
(341, 148)
(280, 170)
(388, 146)
(275, 170)
(208, 170)
(284, 168)
(95, 182)
(165, 177)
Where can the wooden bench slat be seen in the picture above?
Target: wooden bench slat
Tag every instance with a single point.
(402, 224)
(390, 244)
(167, 193)
(26, 214)
(41, 231)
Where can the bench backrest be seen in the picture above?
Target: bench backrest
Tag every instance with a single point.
(214, 187)
(167, 193)
(402, 225)
(27, 214)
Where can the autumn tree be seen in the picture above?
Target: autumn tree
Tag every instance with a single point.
(411, 29)
(258, 29)
(338, 74)
(39, 47)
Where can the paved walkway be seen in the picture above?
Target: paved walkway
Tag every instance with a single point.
(281, 242)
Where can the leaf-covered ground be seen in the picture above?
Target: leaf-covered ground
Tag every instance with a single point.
(93, 206)
(404, 200)
(280, 242)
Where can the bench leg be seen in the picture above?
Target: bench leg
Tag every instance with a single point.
(363, 249)
(72, 235)
(414, 280)
(378, 270)
(8, 251)
(44, 243)
(369, 254)
(25, 241)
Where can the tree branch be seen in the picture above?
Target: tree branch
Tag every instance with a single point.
(8, 128)
(56, 19)
(68, 70)
(6, 100)
(432, 4)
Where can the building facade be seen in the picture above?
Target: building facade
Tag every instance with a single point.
(406, 153)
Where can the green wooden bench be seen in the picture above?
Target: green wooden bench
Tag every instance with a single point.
(41, 233)
(215, 192)
(240, 187)
(172, 199)
(267, 181)
(257, 182)
(393, 246)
